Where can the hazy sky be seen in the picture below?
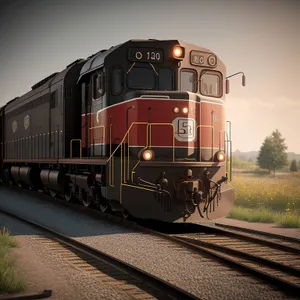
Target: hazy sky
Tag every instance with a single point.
(260, 38)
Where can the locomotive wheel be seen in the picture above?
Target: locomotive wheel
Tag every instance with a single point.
(104, 206)
(68, 195)
(87, 201)
(125, 214)
(52, 193)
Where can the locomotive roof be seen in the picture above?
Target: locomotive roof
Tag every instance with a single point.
(42, 87)
(97, 60)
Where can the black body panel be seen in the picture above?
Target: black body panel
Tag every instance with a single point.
(41, 123)
(1, 139)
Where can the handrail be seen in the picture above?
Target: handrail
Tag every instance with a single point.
(123, 158)
(128, 147)
(133, 123)
(149, 130)
(111, 157)
(111, 163)
(71, 148)
(135, 166)
(103, 131)
(225, 140)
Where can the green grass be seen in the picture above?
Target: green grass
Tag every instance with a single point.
(245, 165)
(277, 193)
(267, 199)
(10, 279)
(263, 197)
(264, 215)
(291, 221)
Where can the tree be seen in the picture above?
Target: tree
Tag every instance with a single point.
(294, 167)
(272, 155)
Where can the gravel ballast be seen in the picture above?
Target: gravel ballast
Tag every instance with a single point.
(201, 276)
(45, 269)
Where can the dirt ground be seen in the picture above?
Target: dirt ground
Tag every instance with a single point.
(39, 274)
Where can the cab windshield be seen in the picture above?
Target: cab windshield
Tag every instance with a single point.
(150, 78)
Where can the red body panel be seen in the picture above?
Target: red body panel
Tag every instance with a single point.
(161, 111)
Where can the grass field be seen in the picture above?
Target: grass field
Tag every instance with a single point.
(266, 198)
(10, 279)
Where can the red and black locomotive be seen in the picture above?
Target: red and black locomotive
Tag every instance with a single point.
(137, 129)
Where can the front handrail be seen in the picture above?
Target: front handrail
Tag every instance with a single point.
(150, 142)
(110, 160)
(227, 151)
(126, 134)
(103, 131)
(125, 159)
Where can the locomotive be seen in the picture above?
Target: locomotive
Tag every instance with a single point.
(138, 129)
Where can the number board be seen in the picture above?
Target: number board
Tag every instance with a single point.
(146, 55)
(185, 129)
(205, 59)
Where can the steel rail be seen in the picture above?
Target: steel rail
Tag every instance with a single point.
(260, 233)
(169, 290)
(288, 286)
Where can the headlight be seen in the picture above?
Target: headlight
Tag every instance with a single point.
(148, 155)
(220, 156)
(178, 52)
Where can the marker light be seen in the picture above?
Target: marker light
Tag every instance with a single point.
(212, 60)
(220, 155)
(148, 155)
(178, 52)
(185, 110)
(175, 110)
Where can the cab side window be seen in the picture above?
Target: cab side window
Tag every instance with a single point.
(98, 85)
(117, 82)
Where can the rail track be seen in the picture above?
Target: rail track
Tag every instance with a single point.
(270, 258)
(261, 234)
(137, 283)
(273, 258)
